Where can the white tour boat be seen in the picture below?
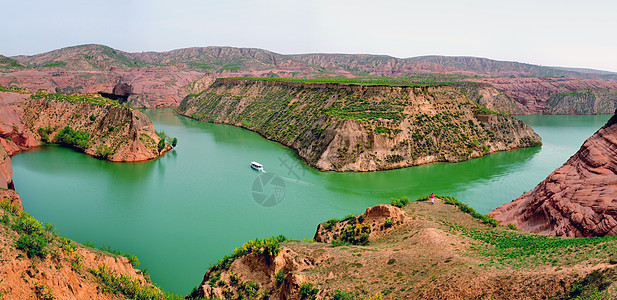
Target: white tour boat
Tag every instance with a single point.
(257, 166)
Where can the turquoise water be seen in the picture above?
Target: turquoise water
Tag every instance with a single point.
(182, 212)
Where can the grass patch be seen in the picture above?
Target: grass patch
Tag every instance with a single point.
(270, 247)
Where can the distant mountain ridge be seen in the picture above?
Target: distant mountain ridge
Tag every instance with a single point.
(162, 79)
(259, 61)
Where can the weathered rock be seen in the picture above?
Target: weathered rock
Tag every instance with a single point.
(579, 199)
(339, 127)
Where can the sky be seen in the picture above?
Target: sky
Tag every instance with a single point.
(544, 32)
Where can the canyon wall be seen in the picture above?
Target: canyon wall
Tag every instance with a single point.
(579, 199)
(340, 127)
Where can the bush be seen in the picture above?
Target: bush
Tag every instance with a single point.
(78, 139)
(269, 247)
(356, 234)
(330, 223)
(388, 222)
(120, 284)
(34, 244)
(340, 295)
(92, 117)
(399, 202)
(44, 132)
(307, 290)
(104, 152)
(280, 277)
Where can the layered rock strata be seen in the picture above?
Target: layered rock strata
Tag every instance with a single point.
(579, 199)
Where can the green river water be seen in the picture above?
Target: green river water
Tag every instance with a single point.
(181, 213)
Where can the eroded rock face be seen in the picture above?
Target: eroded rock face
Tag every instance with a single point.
(144, 87)
(579, 199)
(117, 133)
(339, 127)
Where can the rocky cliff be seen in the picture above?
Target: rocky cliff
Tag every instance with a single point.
(576, 200)
(419, 251)
(89, 123)
(343, 127)
(546, 95)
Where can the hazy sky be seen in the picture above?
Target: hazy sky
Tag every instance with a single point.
(545, 32)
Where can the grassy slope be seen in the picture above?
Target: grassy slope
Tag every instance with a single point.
(441, 252)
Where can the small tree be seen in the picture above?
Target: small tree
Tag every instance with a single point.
(161, 145)
(174, 142)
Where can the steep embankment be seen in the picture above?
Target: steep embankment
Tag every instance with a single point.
(578, 199)
(95, 125)
(340, 127)
(37, 263)
(545, 95)
(419, 251)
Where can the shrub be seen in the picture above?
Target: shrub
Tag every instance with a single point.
(92, 117)
(399, 202)
(269, 247)
(280, 277)
(349, 217)
(44, 132)
(356, 234)
(174, 142)
(307, 290)
(512, 226)
(161, 145)
(34, 244)
(341, 295)
(79, 139)
(120, 284)
(330, 223)
(388, 222)
(27, 224)
(103, 151)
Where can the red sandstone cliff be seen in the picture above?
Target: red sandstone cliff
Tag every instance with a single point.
(579, 199)
(116, 133)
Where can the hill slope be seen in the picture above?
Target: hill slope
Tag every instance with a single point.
(422, 251)
(346, 127)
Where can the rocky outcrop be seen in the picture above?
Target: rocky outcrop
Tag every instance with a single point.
(546, 95)
(6, 170)
(340, 127)
(430, 251)
(143, 87)
(579, 199)
(114, 132)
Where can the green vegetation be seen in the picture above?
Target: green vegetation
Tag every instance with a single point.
(280, 277)
(132, 258)
(44, 132)
(356, 234)
(13, 90)
(268, 247)
(161, 145)
(308, 290)
(420, 81)
(104, 152)
(121, 284)
(399, 202)
(43, 292)
(79, 139)
(388, 223)
(341, 295)
(463, 207)
(90, 99)
(54, 64)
